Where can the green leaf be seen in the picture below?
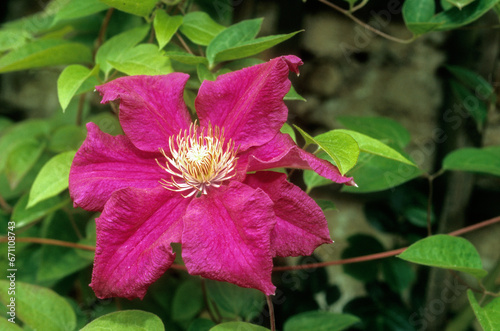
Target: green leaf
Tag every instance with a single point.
(44, 53)
(489, 315)
(373, 173)
(8, 326)
(188, 300)
(139, 8)
(11, 39)
(460, 3)
(417, 14)
(454, 17)
(186, 58)
(293, 95)
(446, 252)
(320, 321)
(201, 324)
(359, 245)
(246, 48)
(77, 9)
(200, 28)
(130, 320)
(483, 160)
(22, 159)
(39, 308)
(482, 89)
(381, 128)
(18, 134)
(52, 179)
(204, 73)
(475, 107)
(113, 49)
(67, 138)
(373, 146)
(326, 204)
(58, 262)
(70, 80)
(24, 216)
(243, 326)
(233, 36)
(143, 59)
(165, 27)
(286, 128)
(398, 274)
(341, 147)
(236, 301)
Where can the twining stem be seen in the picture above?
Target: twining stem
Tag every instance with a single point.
(365, 25)
(102, 31)
(283, 268)
(186, 47)
(271, 313)
(47, 241)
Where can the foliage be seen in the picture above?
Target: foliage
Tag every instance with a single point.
(92, 42)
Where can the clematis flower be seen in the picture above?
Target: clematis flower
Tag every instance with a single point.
(172, 179)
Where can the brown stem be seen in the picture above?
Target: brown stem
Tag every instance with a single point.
(283, 268)
(383, 254)
(102, 31)
(365, 25)
(47, 241)
(271, 313)
(186, 47)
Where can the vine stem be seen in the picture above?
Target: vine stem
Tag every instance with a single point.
(102, 31)
(271, 312)
(358, 259)
(365, 25)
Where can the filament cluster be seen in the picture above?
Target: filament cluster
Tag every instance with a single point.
(199, 159)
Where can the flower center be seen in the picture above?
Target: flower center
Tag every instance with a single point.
(200, 159)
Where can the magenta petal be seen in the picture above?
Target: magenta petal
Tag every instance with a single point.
(104, 164)
(283, 152)
(226, 237)
(301, 225)
(152, 108)
(248, 103)
(134, 234)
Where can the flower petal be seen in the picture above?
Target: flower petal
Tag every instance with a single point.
(134, 234)
(104, 164)
(282, 151)
(152, 108)
(248, 103)
(226, 237)
(301, 225)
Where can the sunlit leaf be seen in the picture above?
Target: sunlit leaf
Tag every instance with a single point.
(483, 160)
(70, 80)
(44, 53)
(130, 320)
(320, 321)
(200, 28)
(460, 3)
(165, 27)
(113, 49)
(489, 315)
(139, 8)
(78, 9)
(36, 307)
(293, 95)
(341, 147)
(52, 179)
(143, 59)
(446, 252)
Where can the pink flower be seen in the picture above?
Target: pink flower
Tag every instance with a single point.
(170, 179)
